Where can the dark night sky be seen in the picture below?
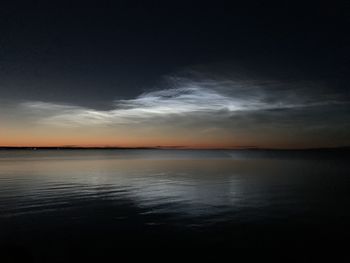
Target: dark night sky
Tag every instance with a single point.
(103, 57)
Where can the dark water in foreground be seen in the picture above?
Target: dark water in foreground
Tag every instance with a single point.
(61, 206)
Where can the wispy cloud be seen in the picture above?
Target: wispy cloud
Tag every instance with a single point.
(188, 98)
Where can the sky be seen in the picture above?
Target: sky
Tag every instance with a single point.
(185, 74)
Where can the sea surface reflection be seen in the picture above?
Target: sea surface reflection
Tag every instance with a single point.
(210, 197)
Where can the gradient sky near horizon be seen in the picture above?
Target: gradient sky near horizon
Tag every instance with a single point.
(191, 74)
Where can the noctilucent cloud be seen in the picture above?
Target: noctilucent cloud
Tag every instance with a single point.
(222, 76)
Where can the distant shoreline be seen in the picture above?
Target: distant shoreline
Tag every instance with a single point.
(31, 148)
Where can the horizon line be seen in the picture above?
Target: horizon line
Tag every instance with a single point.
(73, 147)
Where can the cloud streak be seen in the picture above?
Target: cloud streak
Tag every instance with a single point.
(188, 98)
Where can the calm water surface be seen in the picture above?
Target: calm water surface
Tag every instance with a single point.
(63, 202)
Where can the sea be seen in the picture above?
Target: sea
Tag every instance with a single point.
(72, 205)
